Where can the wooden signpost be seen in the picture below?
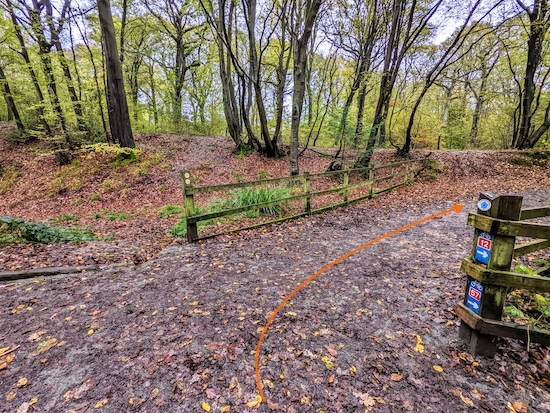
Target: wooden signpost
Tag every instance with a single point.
(497, 223)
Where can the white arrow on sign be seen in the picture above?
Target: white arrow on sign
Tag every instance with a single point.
(474, 305)
(483, 253)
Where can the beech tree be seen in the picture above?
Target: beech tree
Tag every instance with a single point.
(119, 119)
(539, 20)
(305, 14)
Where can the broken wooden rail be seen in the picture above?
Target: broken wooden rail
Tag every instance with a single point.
(408, 174)
(497, 224)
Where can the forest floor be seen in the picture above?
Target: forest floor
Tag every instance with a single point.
(177, 332)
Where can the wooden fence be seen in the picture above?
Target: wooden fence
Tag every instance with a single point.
(408, 173)
(497, 224)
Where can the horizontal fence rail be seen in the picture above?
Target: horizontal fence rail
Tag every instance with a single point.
(410, 169)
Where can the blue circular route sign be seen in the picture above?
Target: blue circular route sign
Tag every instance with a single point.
(484, 205)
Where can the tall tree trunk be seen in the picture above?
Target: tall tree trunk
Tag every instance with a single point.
(123, 22)
(44, 49)
(230, 105)
(153, 95)
(386, 85)
(538, 27)
(300, 62)
(480, 100)
(8, 97)
(32, 73)
(54, 32)
(361, 95)
(281, 71)
(119, 119)
(96, 81)
(250, 8)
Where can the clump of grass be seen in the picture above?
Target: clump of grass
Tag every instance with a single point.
(168, 210)
(95, 197)
(239, 198)
(538, 154)
(9, 177)
(521, 162)
(263, 174)
(76, 184)
(111, 216)
(250, 196)
(238, 177)
(78, 201)
(431, 171)
(107, 186)
(205, 166)
(65, 218)
(180, 229)
(152, 161)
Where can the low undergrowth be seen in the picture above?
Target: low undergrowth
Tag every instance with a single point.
(17, 230)
(529, 307)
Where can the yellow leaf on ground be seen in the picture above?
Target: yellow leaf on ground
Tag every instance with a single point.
(101, 403)
(466, 400)
(154, 393)
(22, 382)
(33, 401)
(11, 395)
(419, 345)
(438, 369)
(206, 407)
(256, 402)
(90, 332)
(225, 409)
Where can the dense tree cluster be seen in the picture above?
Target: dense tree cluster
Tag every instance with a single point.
(350, 73)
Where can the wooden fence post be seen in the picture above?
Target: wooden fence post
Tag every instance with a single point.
(371, 181)
(192, 232)
(498, 256)
(307, 191)
(391, 175)
(346, 182)
(406, 173)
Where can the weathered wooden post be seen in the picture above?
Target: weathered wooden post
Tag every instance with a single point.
(192, 233)
(406, 173)
(496, 251)
(346, 180)
(391, 176)
(307, 191)
(371, 181)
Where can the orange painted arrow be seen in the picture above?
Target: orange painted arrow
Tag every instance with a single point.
(456, 208)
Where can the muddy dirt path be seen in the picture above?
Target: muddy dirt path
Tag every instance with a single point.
(376, 332)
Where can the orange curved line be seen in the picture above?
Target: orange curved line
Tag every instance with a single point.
(456, 208)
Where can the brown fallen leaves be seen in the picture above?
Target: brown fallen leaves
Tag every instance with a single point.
(466, 400)
(519, 407)
(396, 377)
